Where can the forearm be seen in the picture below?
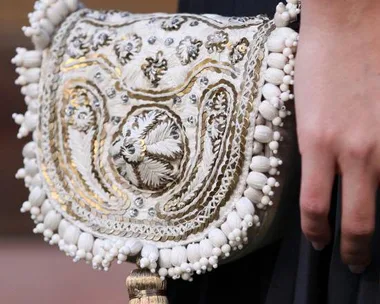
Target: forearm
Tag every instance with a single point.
(346, 15)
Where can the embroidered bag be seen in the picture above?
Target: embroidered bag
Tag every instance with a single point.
(156, 138)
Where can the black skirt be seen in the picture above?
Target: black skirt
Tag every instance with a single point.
(289, 271)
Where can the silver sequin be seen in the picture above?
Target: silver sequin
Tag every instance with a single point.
(111, 92)
(152, 212)
(139, 202)
(169, 41)
(133, 212)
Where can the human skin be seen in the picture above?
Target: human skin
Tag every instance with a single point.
(337, 91)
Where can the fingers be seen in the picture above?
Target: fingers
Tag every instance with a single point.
(318, 170)
(358, 212)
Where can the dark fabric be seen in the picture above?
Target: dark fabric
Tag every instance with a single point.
(229, 7)
(289, 271)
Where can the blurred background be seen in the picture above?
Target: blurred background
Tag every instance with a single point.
(31, 271)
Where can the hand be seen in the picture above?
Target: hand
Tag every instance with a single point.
(337, 93)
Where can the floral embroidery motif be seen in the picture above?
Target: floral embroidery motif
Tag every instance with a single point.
(148, 151)
(79, 113)
(188, 49)
(173, 24)
(239, 50)
(79, 45)
(81, 118)
(217, 42)
(101, 38)
(155, 68)
(126, 48)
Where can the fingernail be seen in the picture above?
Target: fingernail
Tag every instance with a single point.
(317, 246)
(357, 269)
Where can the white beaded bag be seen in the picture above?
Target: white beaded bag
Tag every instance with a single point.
(156, 138)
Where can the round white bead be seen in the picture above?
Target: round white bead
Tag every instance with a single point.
(193, 253)
(35, 211)
(29, 150)
(72, 4)
(177, 271)
(270, 90)
(257, 148)
(86, 242)
(284, 87)
(178, 256)
(55, 239)
(40, 228)
(26, 206)
(37, 196)
(226, 248)
(206, 248)
(276, 41)
(217, 237)
(163, 272)
(249, 219)
(81, 254)
(277, 60)
(277, 121)
(144, 262)
(52, 220)
(71, 235)
(285, 16)
(284, 96)
(216, 251)
(256, 180)
(265, 200)
(267, 110)
(274, 76)
(266, 189)
(97, 259)
(279, 21)
(288, 68)
(197, 266)
(253, 195)
(280, 8)
(203, 261)
(273, 145)
(276, 135)
(260, 164)
(271, 181)
(185, 267)
(263, 134)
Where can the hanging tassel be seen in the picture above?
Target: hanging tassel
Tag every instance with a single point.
(145, 287)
